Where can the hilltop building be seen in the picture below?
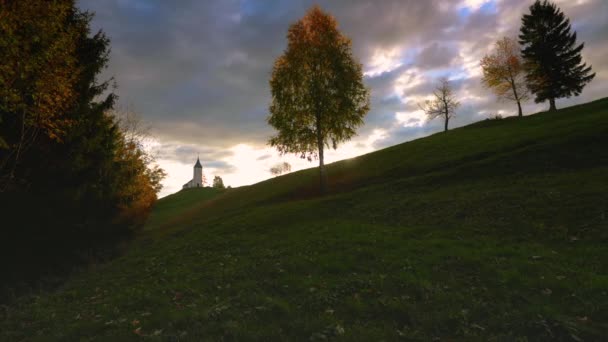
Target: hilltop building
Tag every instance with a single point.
(198, 180)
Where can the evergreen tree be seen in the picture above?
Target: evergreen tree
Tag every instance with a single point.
(552, 59)
(85, 182)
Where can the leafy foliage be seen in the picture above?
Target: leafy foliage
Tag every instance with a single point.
(38, 74)
(280, 169)
(218, 183)
(318, 95)
(552, 59)
(85, 182)
(503, 72)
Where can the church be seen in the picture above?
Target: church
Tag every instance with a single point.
(198, 180)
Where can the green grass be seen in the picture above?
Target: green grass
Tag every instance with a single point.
(173, 206)
(493, 232)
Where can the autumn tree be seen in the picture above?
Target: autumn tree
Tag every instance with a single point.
(443, 105)
(503, 72)
(218, 183)
(135, 167)
(86, 180)
(552, 59)
(38, 73)
(318, 95)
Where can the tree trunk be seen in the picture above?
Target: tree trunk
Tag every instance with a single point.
(519, 107)
(322, 172)
(447, 120)
(516, 96)
(552, 107)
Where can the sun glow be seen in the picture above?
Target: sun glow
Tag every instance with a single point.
(384, 60)
(248, 164)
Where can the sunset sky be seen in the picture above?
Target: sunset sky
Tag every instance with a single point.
(197, 71)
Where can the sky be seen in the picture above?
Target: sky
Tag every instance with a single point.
(197, 72)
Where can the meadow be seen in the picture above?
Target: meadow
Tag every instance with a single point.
(496, 231)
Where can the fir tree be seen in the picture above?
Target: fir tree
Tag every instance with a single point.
(552, 59)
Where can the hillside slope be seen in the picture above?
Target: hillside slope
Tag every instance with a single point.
(494, 231)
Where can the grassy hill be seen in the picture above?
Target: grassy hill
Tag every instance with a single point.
(494, 231)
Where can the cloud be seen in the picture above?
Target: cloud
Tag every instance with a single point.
(436, 55)
(264, 157)
(187, 153)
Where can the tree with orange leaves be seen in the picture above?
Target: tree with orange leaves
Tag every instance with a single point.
(318, 95)
(38, 74)
(503, 72)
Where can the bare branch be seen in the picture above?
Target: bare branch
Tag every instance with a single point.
(443, 104)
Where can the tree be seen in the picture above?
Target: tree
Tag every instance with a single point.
(280, 169)
(135, 169)
(86, 180)
(38, 73)
(503, 72)
(318, 95)
(443, 105)
(218, 183)
(552, 59)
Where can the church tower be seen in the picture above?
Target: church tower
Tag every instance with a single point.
(197, 180)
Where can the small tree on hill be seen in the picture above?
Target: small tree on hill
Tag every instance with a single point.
(280, 169)
(318, 95)
(552, 59)
(503, 72)
(443, 105)
(218, 183)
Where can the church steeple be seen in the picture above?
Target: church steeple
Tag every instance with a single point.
(198, 179)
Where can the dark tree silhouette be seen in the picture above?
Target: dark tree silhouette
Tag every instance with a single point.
(552, 59)
(218, 183)
(443, 105)
(280, 169)
(86, 181)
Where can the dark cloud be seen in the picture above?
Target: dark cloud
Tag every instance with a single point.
(198, 70)
(187, 153)
(436, 55)
(264, 157)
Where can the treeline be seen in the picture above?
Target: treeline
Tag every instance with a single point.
(545, 63)
(319, 99)
(74, 178)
